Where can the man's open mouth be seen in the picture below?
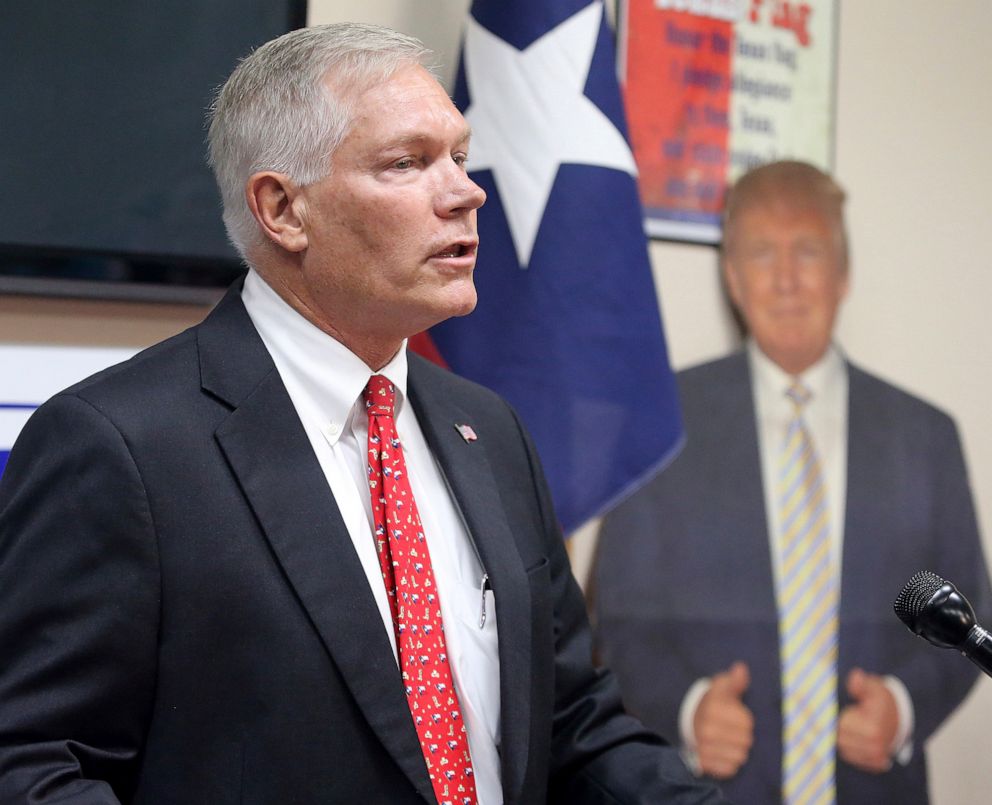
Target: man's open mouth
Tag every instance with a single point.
(455, 250)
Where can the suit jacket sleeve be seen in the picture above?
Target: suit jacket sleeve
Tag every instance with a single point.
(78, 610)
(599, 754)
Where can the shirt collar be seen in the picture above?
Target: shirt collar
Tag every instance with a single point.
(775, 381)
(329, 374)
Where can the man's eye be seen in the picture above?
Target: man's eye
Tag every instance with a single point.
(759, 253)
(810, 249)
(460, 159)
(403, 164)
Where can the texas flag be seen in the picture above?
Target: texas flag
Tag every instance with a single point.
(567, 327)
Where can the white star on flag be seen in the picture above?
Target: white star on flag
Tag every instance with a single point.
(529, 115)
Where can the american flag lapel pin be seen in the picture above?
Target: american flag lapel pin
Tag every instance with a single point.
(466, 432)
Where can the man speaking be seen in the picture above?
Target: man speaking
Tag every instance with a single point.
(276, 559)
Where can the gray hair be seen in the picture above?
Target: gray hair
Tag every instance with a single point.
(277, 113)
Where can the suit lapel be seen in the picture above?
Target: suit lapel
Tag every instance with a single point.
(739, 448)
(272, 458)
(468, 473)
(865, 504)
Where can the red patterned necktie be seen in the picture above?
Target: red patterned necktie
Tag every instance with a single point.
(415, 605)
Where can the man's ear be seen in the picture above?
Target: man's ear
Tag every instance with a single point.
(271, 198)
(731, 287)
(845, 283)
(731, 281)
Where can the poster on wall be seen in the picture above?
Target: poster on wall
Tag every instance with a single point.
(714, 87)
(31, 374)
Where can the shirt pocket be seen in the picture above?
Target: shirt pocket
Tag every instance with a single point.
(478, 652)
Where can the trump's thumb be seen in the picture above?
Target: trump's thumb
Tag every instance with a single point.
(857, 683)
(738, 679)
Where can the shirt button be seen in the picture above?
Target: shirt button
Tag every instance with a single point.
(333, 430)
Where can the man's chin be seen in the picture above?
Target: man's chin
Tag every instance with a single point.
(462, 303)
(465, 309)
(452, 309)
(796, 358)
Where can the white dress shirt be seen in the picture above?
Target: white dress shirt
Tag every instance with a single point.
(325, 381)
(826, 418)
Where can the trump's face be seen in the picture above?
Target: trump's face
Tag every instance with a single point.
(786, 273)
(391, 231)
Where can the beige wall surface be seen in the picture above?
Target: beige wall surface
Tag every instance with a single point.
(914, 117)
(914, 120)
(64, 322)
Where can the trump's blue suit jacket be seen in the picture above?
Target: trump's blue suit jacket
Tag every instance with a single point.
(183, 617)
(684, 584)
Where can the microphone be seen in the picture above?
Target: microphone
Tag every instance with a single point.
(934, 609)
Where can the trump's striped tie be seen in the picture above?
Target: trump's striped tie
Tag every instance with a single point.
(807, 612)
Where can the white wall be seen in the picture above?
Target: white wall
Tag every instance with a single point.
(914, 120)
(914, 124)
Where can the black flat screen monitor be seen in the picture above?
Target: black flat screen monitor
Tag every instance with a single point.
(106, 191)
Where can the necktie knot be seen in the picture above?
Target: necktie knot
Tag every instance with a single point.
(799, 394)
(379, 396)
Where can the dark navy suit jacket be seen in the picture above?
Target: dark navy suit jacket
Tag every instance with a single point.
(684, 584)
(183, 617)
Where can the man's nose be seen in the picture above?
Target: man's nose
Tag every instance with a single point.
(786, 273)
(459, 194)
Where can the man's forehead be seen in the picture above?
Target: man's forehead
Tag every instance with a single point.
(414, 134)
(414, 119)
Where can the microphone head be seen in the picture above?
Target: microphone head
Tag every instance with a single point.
(915, 595)
(934, 609)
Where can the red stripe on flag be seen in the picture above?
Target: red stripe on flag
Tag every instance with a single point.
(423, 345)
